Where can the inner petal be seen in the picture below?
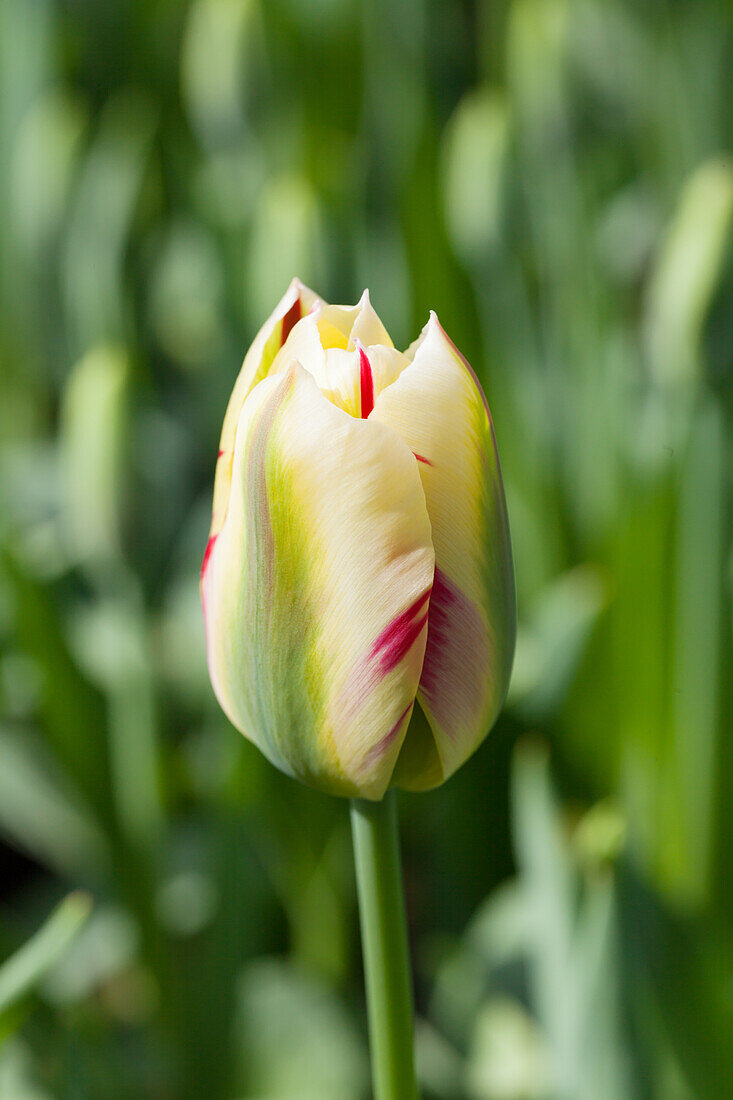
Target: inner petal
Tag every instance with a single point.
(304, 346)
(342, 326)
(354, 379)
(348, 352)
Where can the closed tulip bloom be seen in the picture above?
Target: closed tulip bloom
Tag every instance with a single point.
(357, 585)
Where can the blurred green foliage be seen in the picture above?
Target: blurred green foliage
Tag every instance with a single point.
(551, 176)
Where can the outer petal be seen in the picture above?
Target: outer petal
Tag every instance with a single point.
(294, 304)
(317, 588)
(439, 409)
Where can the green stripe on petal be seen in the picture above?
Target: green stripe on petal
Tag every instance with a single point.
(437, 406)
(317, 587)
(296, 302)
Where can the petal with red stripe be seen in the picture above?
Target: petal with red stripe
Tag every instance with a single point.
(295, 303)
(317, 588)
(438, 407)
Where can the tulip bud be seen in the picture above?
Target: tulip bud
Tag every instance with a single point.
(359, 559)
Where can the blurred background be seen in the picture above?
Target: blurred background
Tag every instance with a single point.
(551, 176)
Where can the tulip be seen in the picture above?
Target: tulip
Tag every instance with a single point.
(357, 585)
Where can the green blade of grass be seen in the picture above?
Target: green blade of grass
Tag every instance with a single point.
(20, 973)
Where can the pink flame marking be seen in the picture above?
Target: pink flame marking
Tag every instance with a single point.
(207, 552)
(421, 458)
(398, 638)
(457, 667)
(378, 750)
(366, 381)
(290, 319)
(391, 647)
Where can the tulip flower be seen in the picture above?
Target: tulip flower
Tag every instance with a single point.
(357, 585)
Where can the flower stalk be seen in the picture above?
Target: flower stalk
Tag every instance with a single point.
(384, 946)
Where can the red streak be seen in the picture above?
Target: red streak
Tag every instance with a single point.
(457, 656)
(397, 639)
(221, 453)
(207, 552)
(381, 747)
(290, 319)
(421, 458)
(366, 379)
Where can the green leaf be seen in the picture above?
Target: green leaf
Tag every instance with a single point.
(23, 970)
(475, 157)
(40, 813)
(297, 1040)
(687, 271)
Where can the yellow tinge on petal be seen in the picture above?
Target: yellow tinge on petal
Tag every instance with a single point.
(359, 557)
(317, 588)
(343, 326)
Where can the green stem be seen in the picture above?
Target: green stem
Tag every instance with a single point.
(384, 946)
